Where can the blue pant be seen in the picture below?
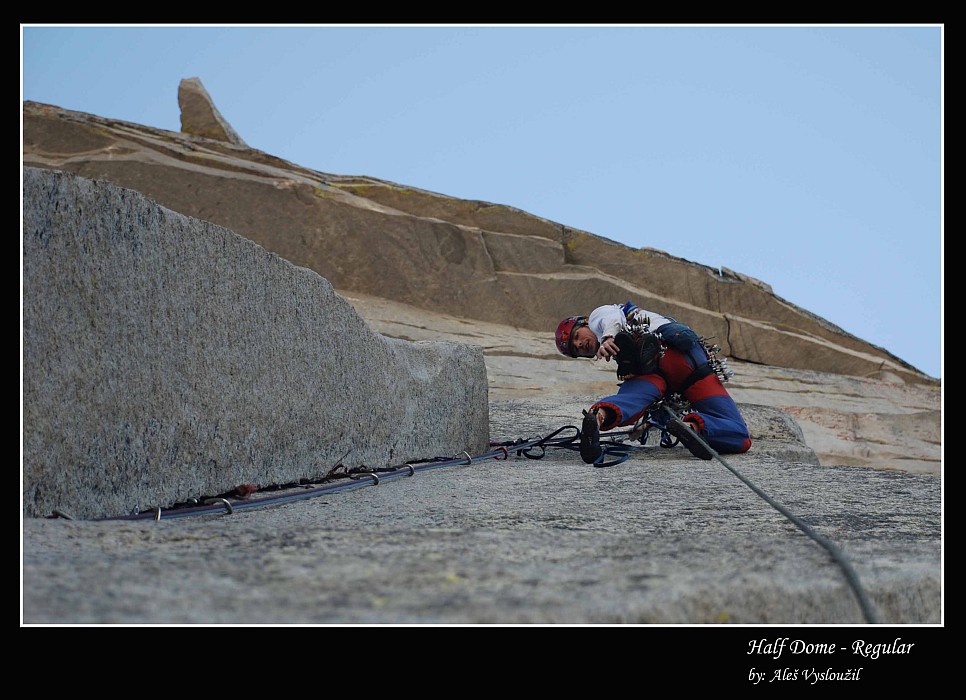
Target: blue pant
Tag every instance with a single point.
(713, 411)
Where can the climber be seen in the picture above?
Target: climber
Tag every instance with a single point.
(656, 357)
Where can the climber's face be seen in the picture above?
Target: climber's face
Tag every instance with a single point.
(585, 343)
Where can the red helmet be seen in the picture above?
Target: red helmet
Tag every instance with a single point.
(565, 332)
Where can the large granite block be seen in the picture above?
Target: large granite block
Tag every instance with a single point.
(166, 357)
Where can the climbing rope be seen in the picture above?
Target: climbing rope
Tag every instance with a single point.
(619, 450)
(339, 479)
(614, 450)
(837, 555)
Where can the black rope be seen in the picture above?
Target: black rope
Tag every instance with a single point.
(609, 447)
(851, 576)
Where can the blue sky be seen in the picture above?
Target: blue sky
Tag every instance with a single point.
(809, 157)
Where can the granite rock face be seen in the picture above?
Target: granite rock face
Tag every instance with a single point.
(477, 260)
(167, 357)
(881, 422)
(661, 539)
(200, 117)
(137, 392)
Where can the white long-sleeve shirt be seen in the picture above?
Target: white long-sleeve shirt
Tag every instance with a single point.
(607, 321)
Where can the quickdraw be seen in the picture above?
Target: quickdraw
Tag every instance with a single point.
(717, 363)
